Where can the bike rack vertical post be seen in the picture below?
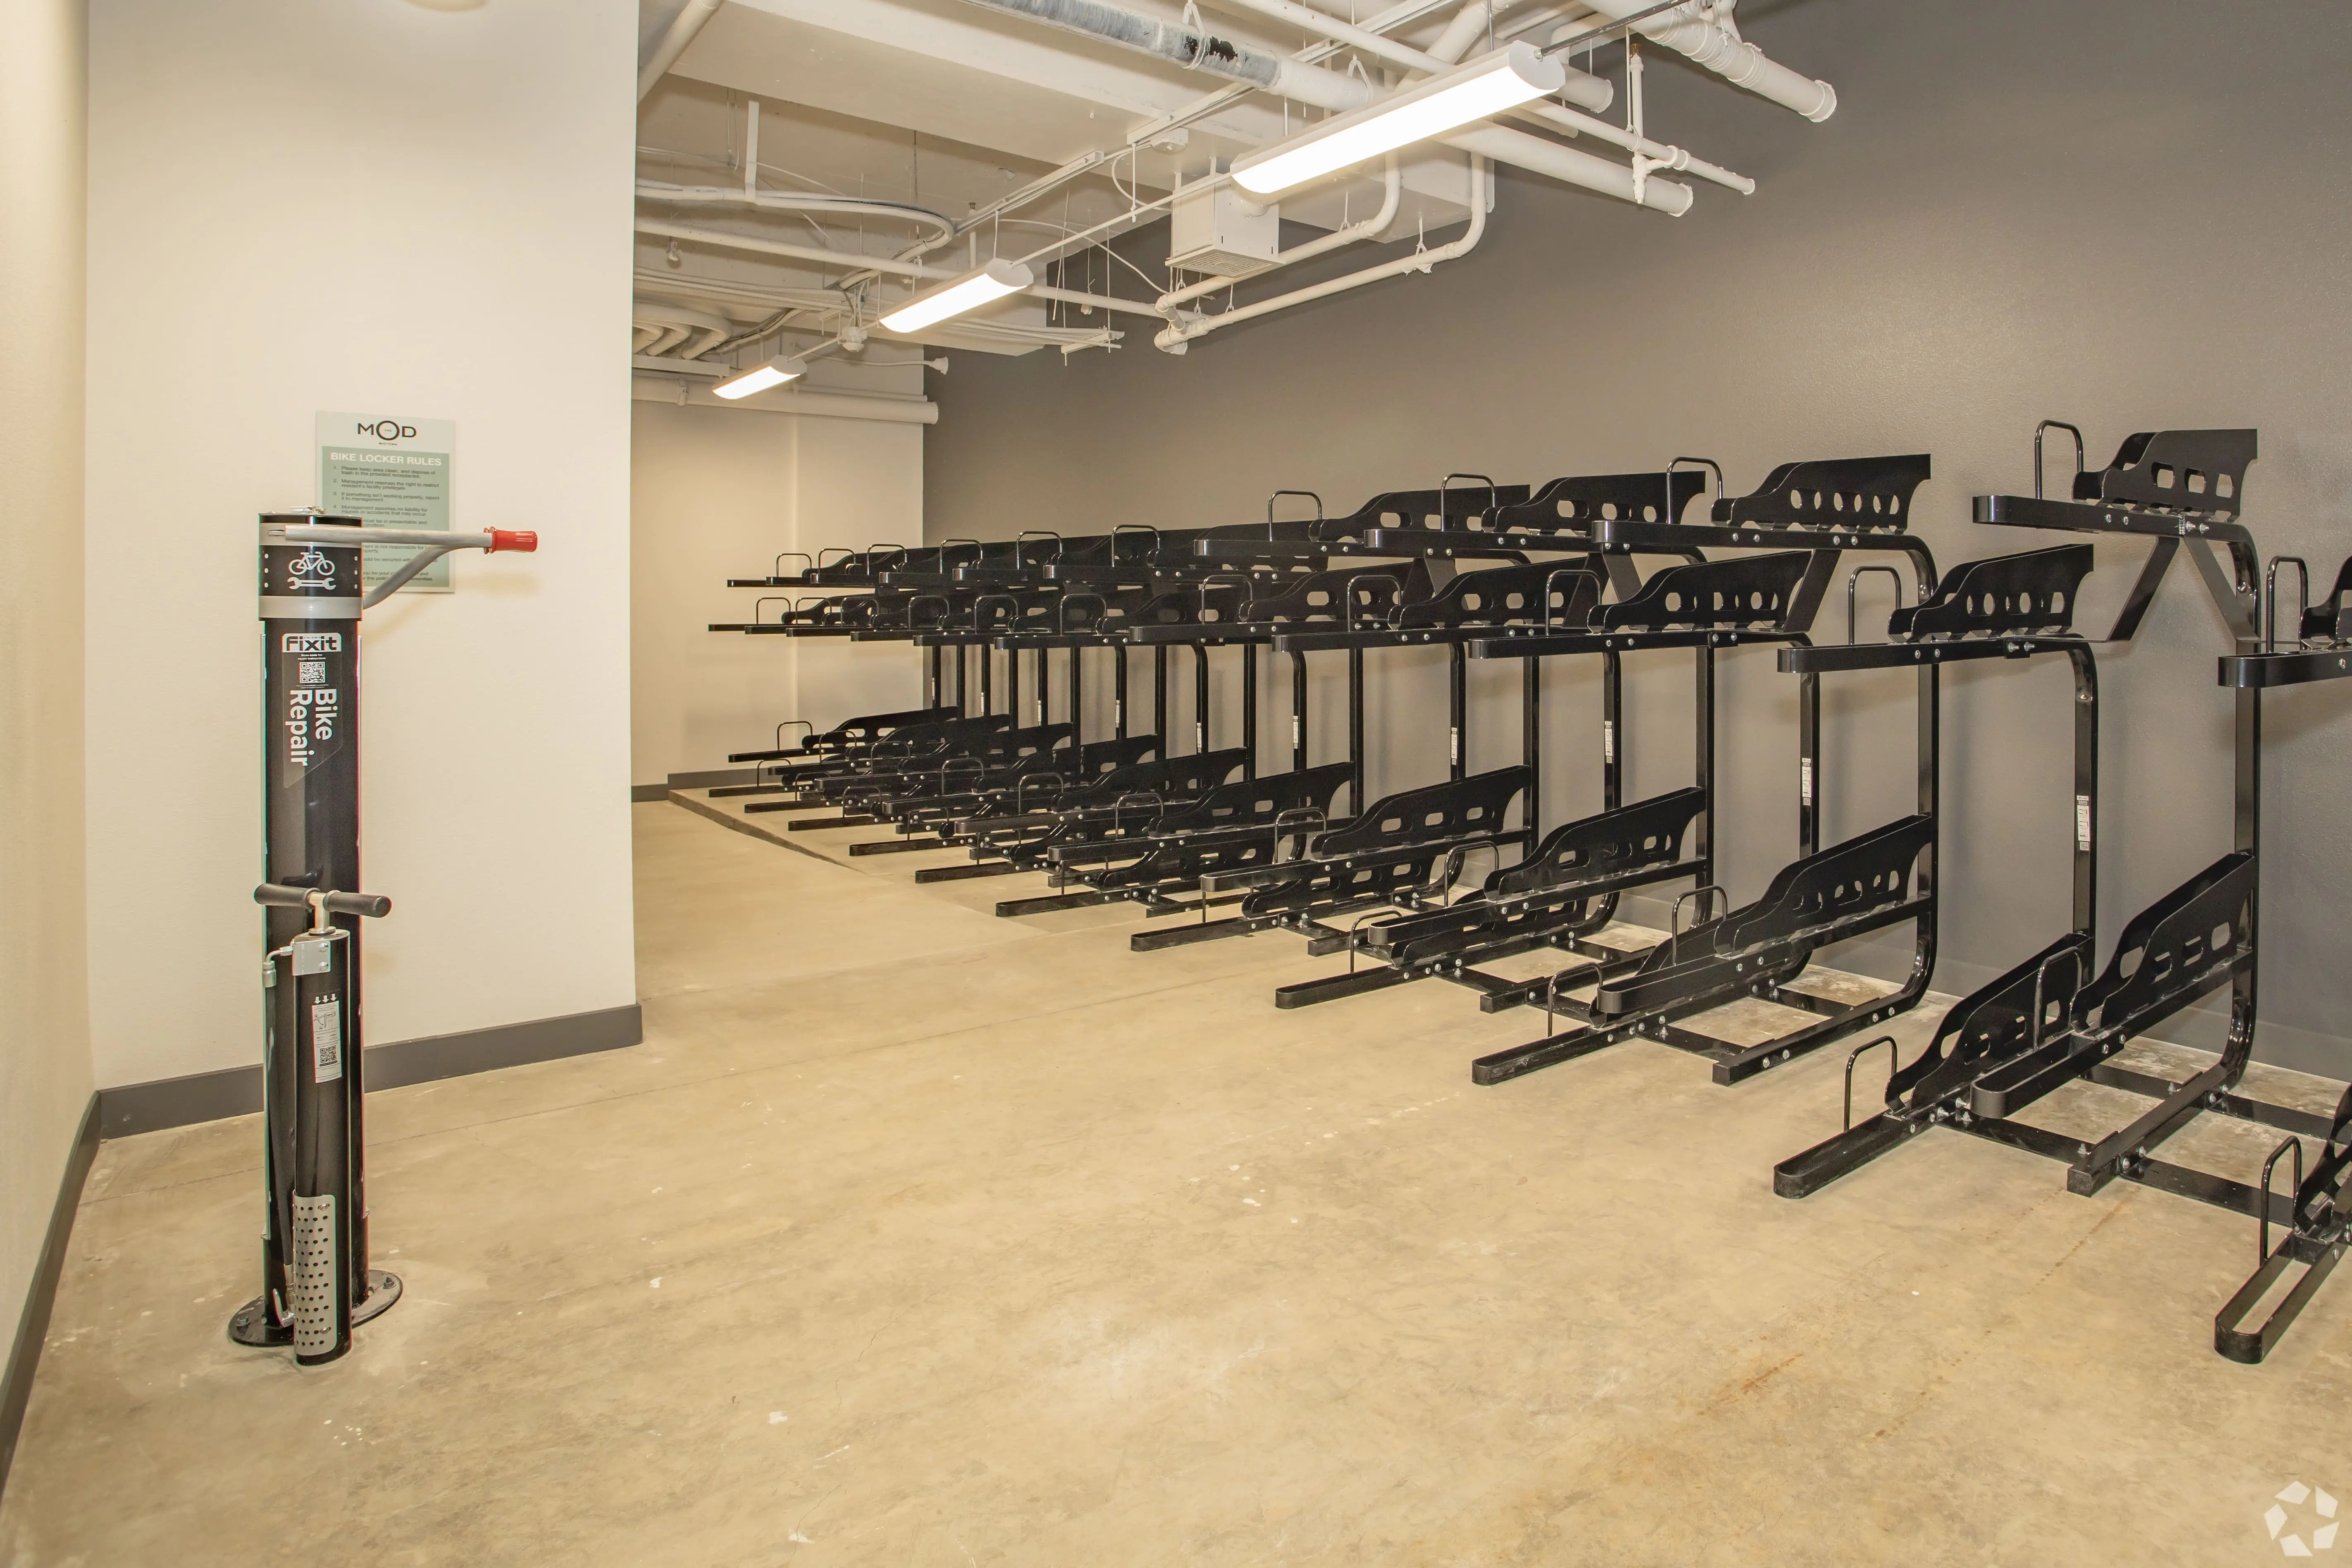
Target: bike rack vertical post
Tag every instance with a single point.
(1160, 717)
(1809, 765)
(1356, 728)
(1249, 709)
(1199, 697)
(1297, 713)
(1531, 746)
(1457, 704)
(1119, 691)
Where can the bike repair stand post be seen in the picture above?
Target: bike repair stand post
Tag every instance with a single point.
(315, 1279)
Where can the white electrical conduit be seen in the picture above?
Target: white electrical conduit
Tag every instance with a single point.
(1584, 90)
(673, 44)
(1448, 51)
(821, 258)
(1328, 90)
(1393, 190)
(1688, 30)
(1399, 16)
(1175, 338)
(799, 201)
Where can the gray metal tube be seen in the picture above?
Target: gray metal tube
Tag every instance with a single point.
(1169, 40)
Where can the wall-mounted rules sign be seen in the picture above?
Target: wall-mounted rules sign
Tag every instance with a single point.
(392, 471)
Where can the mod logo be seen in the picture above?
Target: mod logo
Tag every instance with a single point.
(2312, 1520)
(388, 430)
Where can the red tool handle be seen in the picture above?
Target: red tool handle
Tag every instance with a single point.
(511, 539)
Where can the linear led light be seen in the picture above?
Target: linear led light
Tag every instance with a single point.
(1486, 86)
(994, 280)
(758, 378)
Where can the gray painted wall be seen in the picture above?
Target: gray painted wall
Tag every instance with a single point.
(2127, 215)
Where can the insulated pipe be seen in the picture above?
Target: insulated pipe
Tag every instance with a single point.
(673, 44)
(1584, 90)
(678, 320)
(1323, 89)
(1174, 338)
(1470, 24)
(797, 201)
(879, 263)
(1688, 30)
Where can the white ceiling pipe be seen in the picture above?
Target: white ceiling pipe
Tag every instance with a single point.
(1455, 42)
(684, 322)
(650, 388)
(1392, 192)
(1504, 145)
(1328, 90)
(1403, 15)
(667, 337)
(1693, 30)
(1456, 39)
(823, 257)
(673, 44)
(1584, 90)
(1175, 338)
(797, 202)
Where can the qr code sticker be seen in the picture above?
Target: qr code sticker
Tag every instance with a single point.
(310, 672)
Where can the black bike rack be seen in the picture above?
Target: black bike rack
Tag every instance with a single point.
(1814, 512)
(2049, 1021)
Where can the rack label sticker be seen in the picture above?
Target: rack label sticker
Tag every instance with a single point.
(326, 1039)
(1805, 780)
(1609, 740)
(2081, 825)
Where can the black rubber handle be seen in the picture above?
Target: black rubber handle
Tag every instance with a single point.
(374, 906)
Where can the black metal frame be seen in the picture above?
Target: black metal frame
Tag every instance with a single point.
(2048, 1021)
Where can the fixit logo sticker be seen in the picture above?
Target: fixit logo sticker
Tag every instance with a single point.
(310, 642)
(385, 430)
(2309, 1529)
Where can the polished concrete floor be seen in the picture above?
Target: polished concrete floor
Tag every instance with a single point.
(912, 1236)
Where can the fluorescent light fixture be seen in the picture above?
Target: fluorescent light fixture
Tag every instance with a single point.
(1485, 86)
(992, 282)
(758, 378)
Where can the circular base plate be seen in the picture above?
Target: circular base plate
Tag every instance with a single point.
(251, 1325)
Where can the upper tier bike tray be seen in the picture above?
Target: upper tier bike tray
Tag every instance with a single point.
(2176, 486)
(1704, 604)
(2007, 606)
(1464, 510)
(2323, 645)
(1557, 518)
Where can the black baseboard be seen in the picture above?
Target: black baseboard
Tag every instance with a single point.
(709, 778)
(237, 1092)
(41, 1293)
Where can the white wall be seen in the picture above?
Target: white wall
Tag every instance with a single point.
(717, 492)
(385, 206)
(45, 1073)
(710, 496)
